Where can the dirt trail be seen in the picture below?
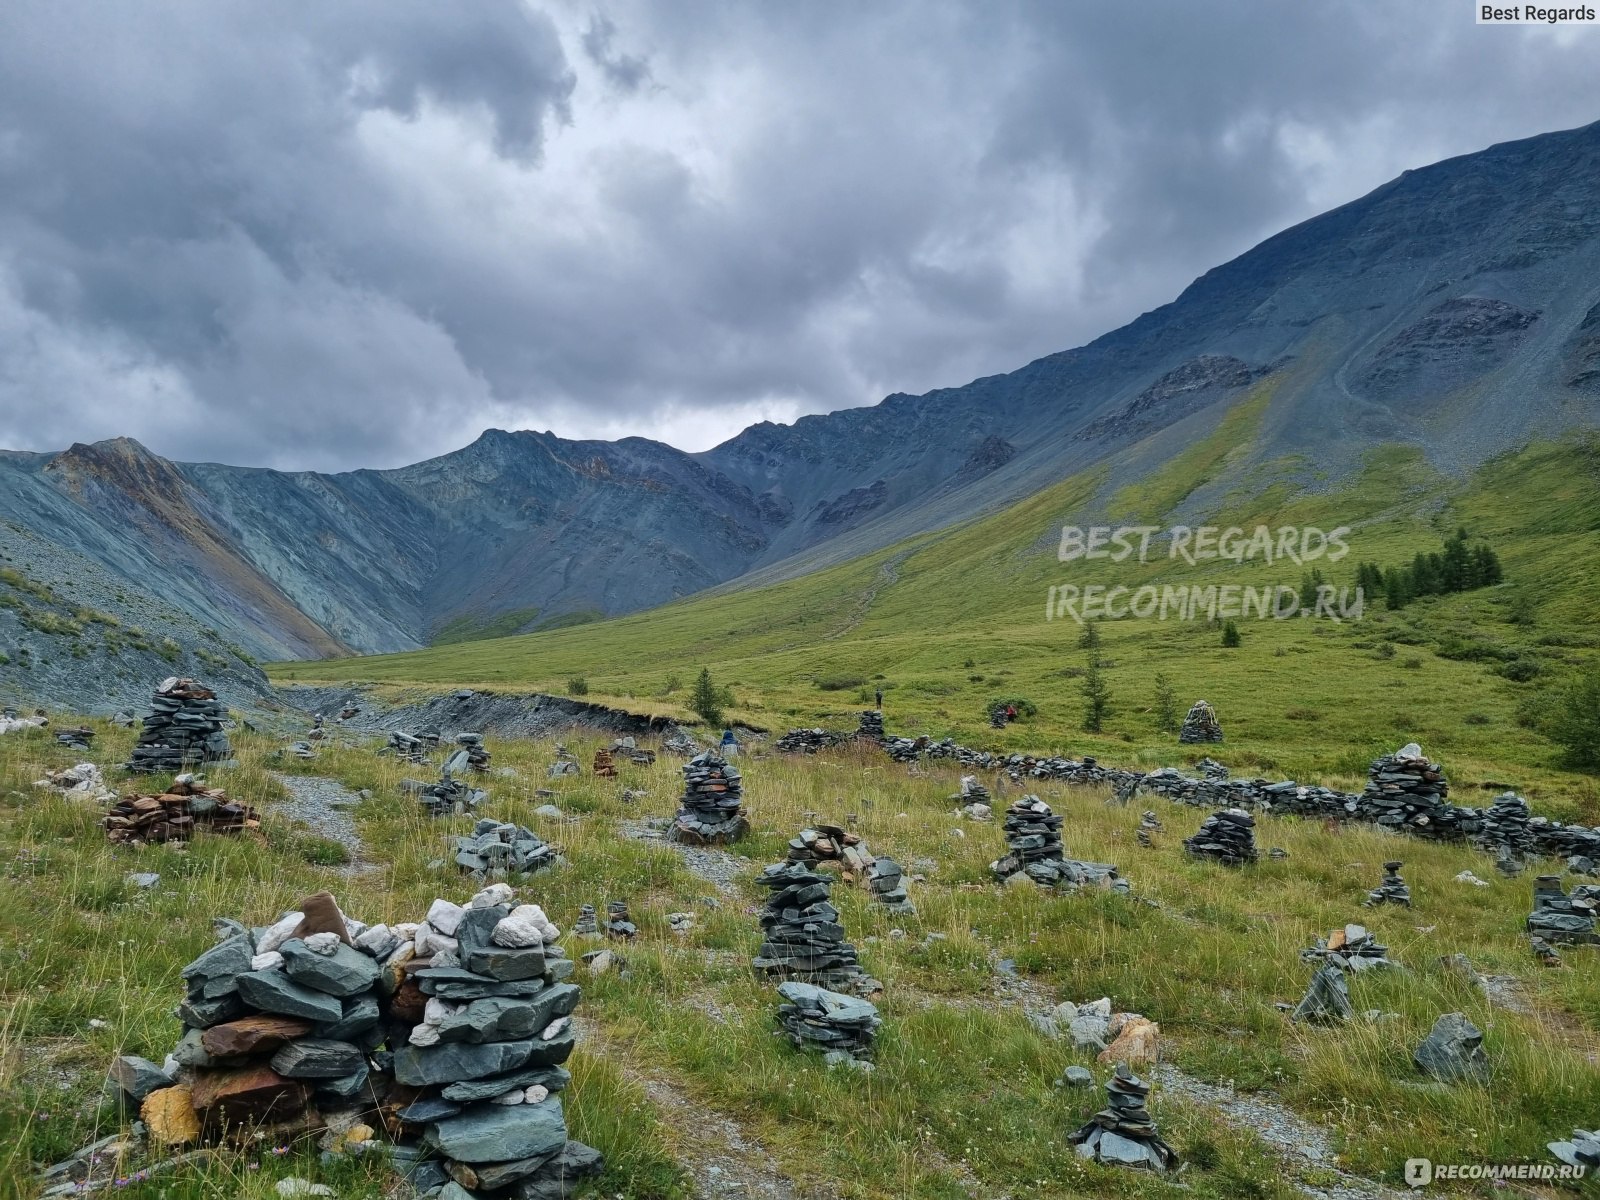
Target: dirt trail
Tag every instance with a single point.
(320, 805)
(724, 1161)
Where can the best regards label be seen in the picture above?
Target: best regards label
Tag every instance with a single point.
(1536, 14)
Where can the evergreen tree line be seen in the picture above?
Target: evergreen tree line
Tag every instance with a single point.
(1459, 567)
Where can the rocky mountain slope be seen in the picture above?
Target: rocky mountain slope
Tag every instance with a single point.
(1453, 308)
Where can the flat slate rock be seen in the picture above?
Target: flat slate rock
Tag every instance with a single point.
(495, 1133)
(274, 992)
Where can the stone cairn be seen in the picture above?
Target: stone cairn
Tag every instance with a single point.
(1212, 771)
(1124, 1133)
(83, 780)
(1148, 824)
(1392, 890)
(1558, 917)
(807, 741)
(801, 935)
(184, 728)
(496, 849)
(407, 748)
(1352, 949)
(997, 718)
(588, 923)
(488, 1007)
(618, 923)
(1228, 837)
(869, 725)
(1506, 827)
(1327, 999)
(448, 797)
(712, 795)
(279, 1025)
(882, 876)
(477, 760)
(604, 768)
(1033, 841)
(1404, 788)
(843, 1027)
(79, 737)
(633, 752)
(1200, 725)
(886, 883)
(176, 814)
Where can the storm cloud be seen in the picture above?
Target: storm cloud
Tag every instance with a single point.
(331, 236)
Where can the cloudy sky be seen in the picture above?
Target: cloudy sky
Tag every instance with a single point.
(317, 235)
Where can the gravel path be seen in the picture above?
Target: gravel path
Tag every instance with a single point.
(724, 1161)
(320, 805)
(716, 867)
(1287, 1133)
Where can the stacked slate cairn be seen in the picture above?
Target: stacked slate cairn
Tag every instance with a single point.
(176, 814)
(1558, 917)
(618, 923)
(1228, 837)
(1506, 826)
(1123, 1133)
(407, 748)
(1210, 769)
(485, 997)
(1405, 789)
(497, 849)
(78, 738)
(184, 728)
(906, 750)
(588, 923)
(843, 1027)
(712, 795)
(1148, 824)
(1352, 949)
(1200, 725)
(448, 797)
(883, 877)
(280, 1026)
(807, 741)
(801, 935)
(1392, 890)
(870, 725)
(973, 790)
(604, 768)
(477, 760)
(1034, 853)
(83, 780)
(1327, 999)
(886, 883)
(997, 718)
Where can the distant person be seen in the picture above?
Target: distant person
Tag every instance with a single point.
(880, 699)
(1011, 713)
(730, 744)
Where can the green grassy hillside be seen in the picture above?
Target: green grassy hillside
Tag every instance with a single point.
(680, 1050)
(946, 622)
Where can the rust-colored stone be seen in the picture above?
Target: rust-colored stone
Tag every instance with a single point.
(246, 1094)
(322, 915)
(407, 1003)
(250, 1035)
(1136, 1043)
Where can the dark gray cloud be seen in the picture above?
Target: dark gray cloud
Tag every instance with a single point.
(355, 234)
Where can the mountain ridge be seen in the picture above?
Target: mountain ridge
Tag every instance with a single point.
(1447, 309)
